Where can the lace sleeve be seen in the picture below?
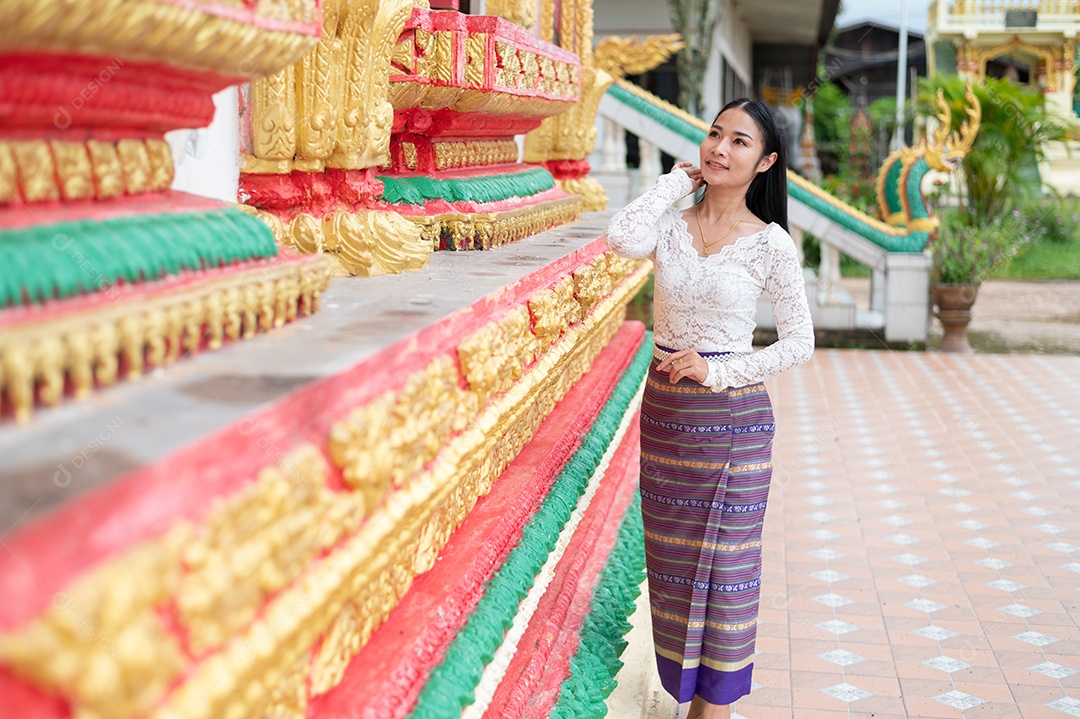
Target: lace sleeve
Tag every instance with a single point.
(795, 331)
(634, 230)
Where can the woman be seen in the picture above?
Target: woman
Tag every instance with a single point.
(706, 420)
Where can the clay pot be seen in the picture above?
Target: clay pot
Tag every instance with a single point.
(953, 303)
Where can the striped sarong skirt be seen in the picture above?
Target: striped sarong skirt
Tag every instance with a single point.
(706, 465)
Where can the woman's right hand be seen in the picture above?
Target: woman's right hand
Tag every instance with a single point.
(693, 172)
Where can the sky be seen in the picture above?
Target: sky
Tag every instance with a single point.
(855, 11)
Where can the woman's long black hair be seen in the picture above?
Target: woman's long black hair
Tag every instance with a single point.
(767, 196)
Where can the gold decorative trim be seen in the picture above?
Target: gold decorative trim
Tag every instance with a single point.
(191, 35)
(519, 12)
(571, 135)
(593, 196)
(258, 608)
(452, 155)
(121, 340)
(622, 56)
(365, 243)
(483, 231)
(40, 170)
(331, 109)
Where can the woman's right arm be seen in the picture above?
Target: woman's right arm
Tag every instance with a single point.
(634, 229)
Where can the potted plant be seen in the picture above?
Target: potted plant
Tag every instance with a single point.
(984, 227)
(967, 250)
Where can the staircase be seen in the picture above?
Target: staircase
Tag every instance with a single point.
(899, 309)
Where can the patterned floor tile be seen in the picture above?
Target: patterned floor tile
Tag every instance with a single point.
(938, 634)
(946, 664)
(917, 580)
(994, 563)
(842, 657)
(1037, 639)
(829, 575)
(925, 605)
(833, 600)
(837, 627)
(1006, 585)
(909, 559)
(959, 700)
(826, 554)
(1068, 705)
(1053, 670)
(846, 692)
(983, 479)
(1020, 610)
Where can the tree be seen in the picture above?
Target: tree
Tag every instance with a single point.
(696, 21)
(1001, 169)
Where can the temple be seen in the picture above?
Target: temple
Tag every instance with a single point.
(329, 410)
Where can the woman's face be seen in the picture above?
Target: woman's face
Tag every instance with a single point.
(731, 155)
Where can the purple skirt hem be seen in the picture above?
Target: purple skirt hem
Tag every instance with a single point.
(715, 687)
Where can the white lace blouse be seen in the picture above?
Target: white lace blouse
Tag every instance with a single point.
(709, 303)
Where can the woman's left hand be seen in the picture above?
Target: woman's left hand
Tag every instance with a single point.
(684, 363)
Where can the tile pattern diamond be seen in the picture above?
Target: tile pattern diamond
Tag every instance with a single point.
(846, 692)
(1052, 670)
(938, 634)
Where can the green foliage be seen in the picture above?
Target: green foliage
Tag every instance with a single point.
(970, 248)
(1056, 254)
(1000, 171)
(696, 21)
(832, 122)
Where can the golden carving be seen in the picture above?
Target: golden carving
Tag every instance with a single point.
(273, 116)
(593, 196)
(257, 543)
(135, 164)
(553, 311)
(193, 35)
(547, 20)
(74, 174)
(474, 59)
(369, 31)
(331, 109)
(619, 56)
(161, 165)
(9, 180)
(408, 153)
(48, 171)
(156, 332)
(484, 231)
(572, 136)
(364, 243)
(36, 171)
(468, 465)
(318, 85)
(450, 442)
(101, 642)
(946, 148)
(474, 153)
(519, 12)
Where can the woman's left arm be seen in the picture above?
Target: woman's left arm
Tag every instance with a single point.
(794, 329)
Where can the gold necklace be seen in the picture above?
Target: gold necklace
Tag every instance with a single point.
(705, 244)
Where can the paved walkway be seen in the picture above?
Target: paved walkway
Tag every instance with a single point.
(922, 544)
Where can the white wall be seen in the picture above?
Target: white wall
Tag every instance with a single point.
(207, 160)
